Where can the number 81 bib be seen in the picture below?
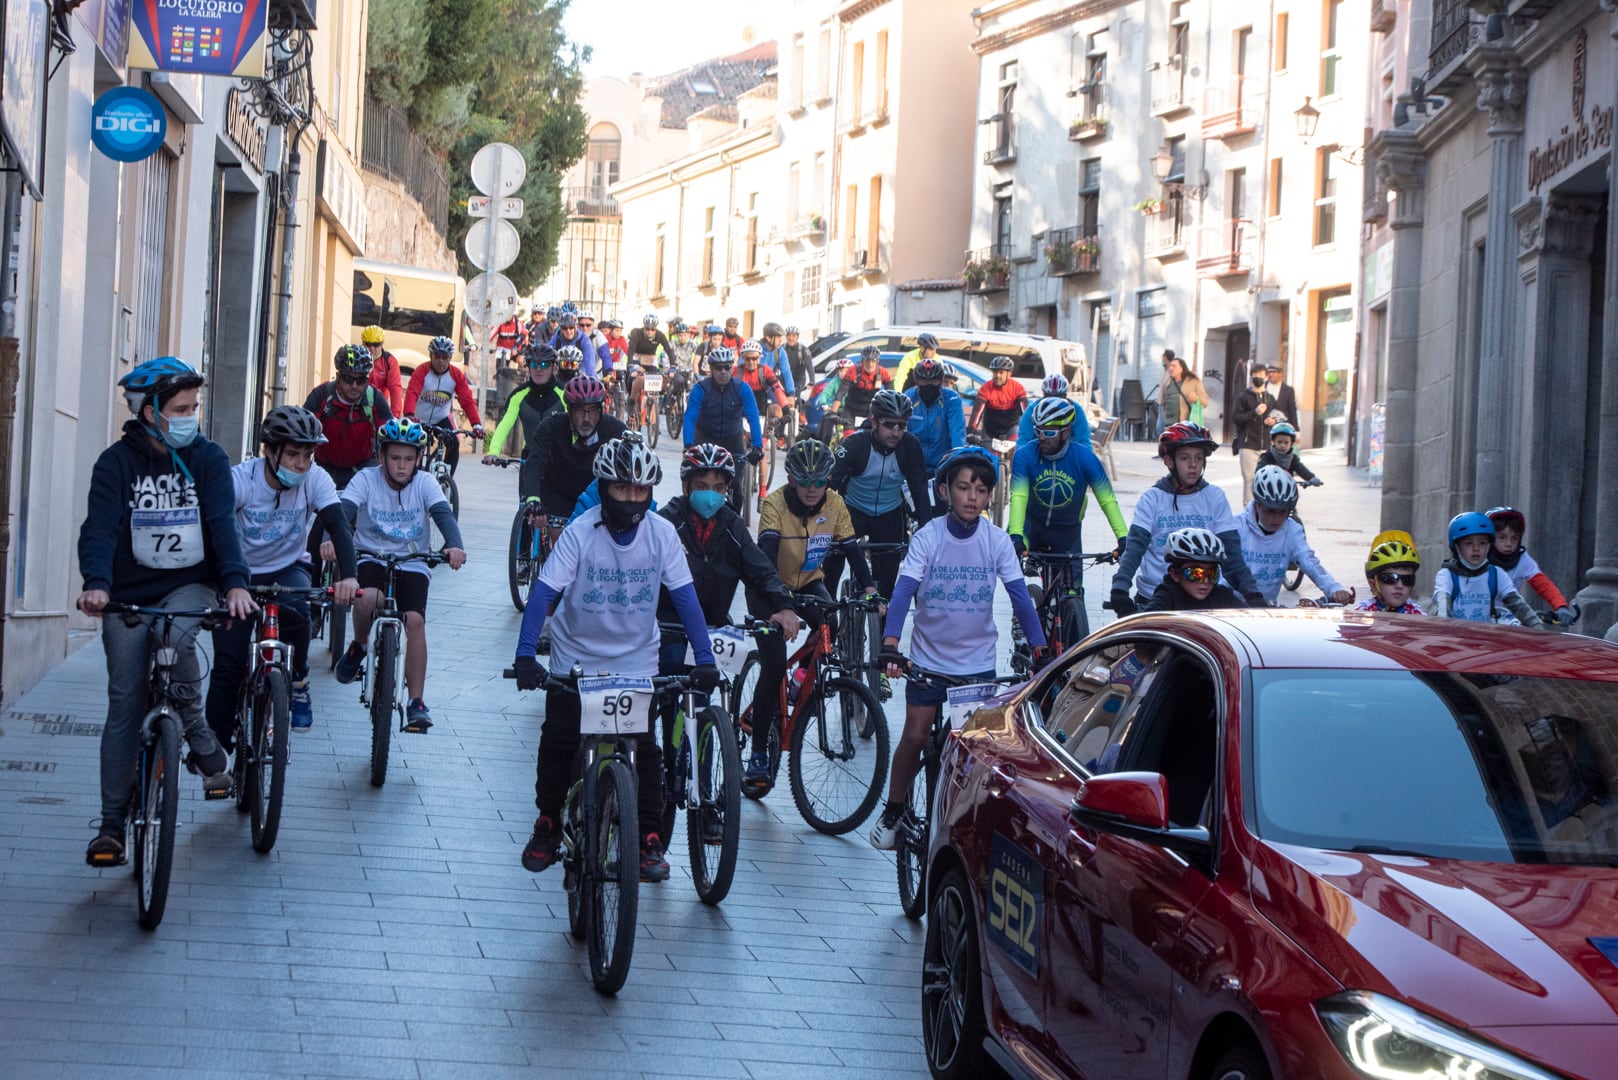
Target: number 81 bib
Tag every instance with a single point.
(167, 539)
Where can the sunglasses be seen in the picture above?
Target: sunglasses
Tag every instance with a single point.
(815, 481)
(891, 425)
(1049, 433)
(539, 365)
(353, 380)
(1198, 574)
(1388, 577)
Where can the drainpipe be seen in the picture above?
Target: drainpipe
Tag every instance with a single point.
(10, 369)
(283, 295)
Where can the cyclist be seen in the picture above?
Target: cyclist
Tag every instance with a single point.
(824, 412)
(681, 353)
(594, 339)
(716, 411)
(529, 403)
(510, 335)
(645, 341)
(799, 525)
(389, 507)
(1509, 554)
(1054, 386)
(1273, 540)
(350, 411)
(1469, 586)
(539, 328)
(769, 393)
(384, 368)
(1280, 454)
(938, 419)
(591, 495)
(926, 349)
(160, 532)
(714, 338)
(1000, 403)
(617, 344)
(1048, 479)
(557, 465)
(1191, 582)
(851, 400)
(568, 335)
(778, 359)
(881, 473)
(732, 338)
(568, 362)
(1390, 571)
(277, 497)
(1182, 499)
(603, 576)
(433, 388)
(797, 359)
(950, 573)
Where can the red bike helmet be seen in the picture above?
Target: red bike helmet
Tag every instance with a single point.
(1185, 433)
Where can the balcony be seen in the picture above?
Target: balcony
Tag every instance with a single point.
(1072, 251)
(389, 148)
(1530, 9)
(589, 202)
(1226, 249)
(809, 226)
(988, 269)
(1455, 31)
(1165, 228)
(1004, 150)
(1168, 86)
(1384, 15)
(1230, 111)
(292, 14)
(857, 262)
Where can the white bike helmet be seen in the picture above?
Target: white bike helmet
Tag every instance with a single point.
(1274, 488)
(1054, 412)
(1192, 545)
(627, 461)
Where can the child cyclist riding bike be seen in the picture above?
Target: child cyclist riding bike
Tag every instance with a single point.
(1192, 580)
(1272, 540)
(950, 572)
(1390, 571)
(1509, 555)
(1468, 586)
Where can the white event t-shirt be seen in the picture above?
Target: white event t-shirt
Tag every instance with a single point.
(393, 522)
(606, 621)
(952, 631)
(274, 524)
(1161, 512)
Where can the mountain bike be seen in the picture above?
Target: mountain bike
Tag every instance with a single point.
(837, 770)
(154, 805)
(673, 403)
(436, 464)
(327, 618)
(1294, 574)
(263, 723)
(530, 545)
(1059, 599)
(860, 639)
(646, 411)
(382, 681)
(1003, 450)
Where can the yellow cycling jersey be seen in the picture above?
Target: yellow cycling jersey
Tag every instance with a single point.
(804, 540)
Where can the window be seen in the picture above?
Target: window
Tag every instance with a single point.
(1005, 140)
(881, 103)
(601, 160)
(658, 253)
(1331, 58)
(1325, 196)
(707, 247)
(796, 100)
(823, 67)
(794, 181)
(750, 263)
(1002, 220)
(788, 294)
(856, 84)
(1274, 208)
(1076, 56)
(809, 287)
(1179, 31)
(851, 205)
(1279, 45)
(873, 223)
(1090, 197)
(1177, 168)
(1095, 78)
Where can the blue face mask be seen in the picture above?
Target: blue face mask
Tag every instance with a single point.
(707, 503)
(289, 478)
(182, 431)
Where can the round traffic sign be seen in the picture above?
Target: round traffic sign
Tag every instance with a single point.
(492, 243)
(491, 299)
(498, 169)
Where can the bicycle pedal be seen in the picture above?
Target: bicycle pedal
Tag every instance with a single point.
(222, 793)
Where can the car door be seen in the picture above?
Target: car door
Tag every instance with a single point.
(1119, 905)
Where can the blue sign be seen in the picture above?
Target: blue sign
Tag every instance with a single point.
(128, 124)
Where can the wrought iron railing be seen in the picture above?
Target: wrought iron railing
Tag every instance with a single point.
(988, 269)
(1454, 31)
(589, 202)
(1226, 248)
(1072, 251)
(391, 149)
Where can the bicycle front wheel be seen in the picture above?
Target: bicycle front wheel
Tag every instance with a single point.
(336, 619)
(836, 774)
(914, 833)
(613, 881)
(520, 570)
(1074, 621)
(766, 474)
(859, 642)
(650, 412)
(744, 484)
(384, 668)
(267, 764)
(713, 823)
(159, 814)
(452, 492)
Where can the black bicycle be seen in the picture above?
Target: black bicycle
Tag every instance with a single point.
(154, 805)
(530, 545)
(703, 764)
(1059, 598)
(860, 637)
(327, 618)
(1294, 575)
(382, 681)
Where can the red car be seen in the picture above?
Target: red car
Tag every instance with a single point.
(1283, 844)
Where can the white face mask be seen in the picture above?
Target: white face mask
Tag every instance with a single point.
(181, 431)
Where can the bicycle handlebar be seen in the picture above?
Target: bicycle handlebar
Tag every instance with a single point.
(1071, 556)
(910, 671)
(504, 462)
(431, 558)
(133, 613)
(569, 683)
(275, 592)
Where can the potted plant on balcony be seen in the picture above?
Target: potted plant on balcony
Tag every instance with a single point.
(1083, 127)
(817, 224)
(990, 272)
(1149, 207)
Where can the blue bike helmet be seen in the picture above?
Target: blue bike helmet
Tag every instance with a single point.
(154, 380)
(1470, 523)
(966, 456)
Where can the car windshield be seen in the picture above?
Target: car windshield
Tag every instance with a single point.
(1491, 768)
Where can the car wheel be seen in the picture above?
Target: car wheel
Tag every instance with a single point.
(952, 1024)
(1244, 1061)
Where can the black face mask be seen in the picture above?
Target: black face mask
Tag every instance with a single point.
(1258, 384)
(928, 394)
(623, 514)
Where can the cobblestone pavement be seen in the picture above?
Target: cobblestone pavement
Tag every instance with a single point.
(392, 933)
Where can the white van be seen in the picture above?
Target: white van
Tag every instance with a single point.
(1032, 355)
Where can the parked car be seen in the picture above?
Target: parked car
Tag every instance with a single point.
(1034, 356)
(968, 377)
(1283, 844)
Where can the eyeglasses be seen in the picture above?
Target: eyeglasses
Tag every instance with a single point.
(891, 425)
(353, 380)
(1199, 574)
(1388, 577)
(539, 365)
(1049, 433)
(815, 481)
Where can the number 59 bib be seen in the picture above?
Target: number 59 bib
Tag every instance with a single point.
(167, 539)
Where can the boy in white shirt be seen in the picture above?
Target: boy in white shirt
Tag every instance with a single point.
(1470, 587)
(1272, 540)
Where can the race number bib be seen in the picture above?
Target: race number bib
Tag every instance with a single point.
(730, 646)
(615, 705)
(1003, 446)
(963, 701)
(166, 539)
(654, 384)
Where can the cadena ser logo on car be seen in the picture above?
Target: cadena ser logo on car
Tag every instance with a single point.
(1016, 903)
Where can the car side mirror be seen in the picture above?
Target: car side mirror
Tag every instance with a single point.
(1135, 805)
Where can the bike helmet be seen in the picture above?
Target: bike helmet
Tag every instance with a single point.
(967, 457)
(751, 348)
(790, 330)
(539, 355)
(570, 356)
(1054, 412)
(772, 329)
(1054, 386)
(1507, 515)
(441, 346)
(927, 371)
(584, 390)
(371, 335)
(891, 405)
(927, 341)
(1274, 488)
(569, 307)
(585, 316)
(649, 322)
(568, 321)
(871, 352)
(707, 457)
(627, 461)
(678, 326)
(553, 313)
(846, 364)
(1281, 427)
(809, 463)
(721, 356)
(1193, 545)
(1185, 433)
(713, 328)
(353, 360)
(155, 380)
(401, 431)
(1470, 523)
(1001, 363)
(1391, 548)
(291, 424)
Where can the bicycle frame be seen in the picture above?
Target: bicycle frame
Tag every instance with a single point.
(387, 615)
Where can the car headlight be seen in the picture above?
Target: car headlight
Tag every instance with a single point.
(1385, 1040)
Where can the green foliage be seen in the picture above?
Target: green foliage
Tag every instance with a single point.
(471, 72)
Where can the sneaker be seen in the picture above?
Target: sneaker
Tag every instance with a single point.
(653, 866)
(543, 847)
(348, 668)
(885, 835)
(417, 718)
(209, 760)
(303, 709)
(107, 849)
(756, 781)
(713, 826)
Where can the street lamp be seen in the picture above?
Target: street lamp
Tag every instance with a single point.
(1308, 118)
(1162, 162)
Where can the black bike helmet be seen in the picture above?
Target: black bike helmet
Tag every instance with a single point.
(772, 329)
(809, 463)
(927, 341)
(927, 371)
(707, 457)
(539, 355)
(891, 405)
(353, 360)
(290, 424)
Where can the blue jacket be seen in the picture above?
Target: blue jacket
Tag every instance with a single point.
(781, 361)
(941, 426)
(749, 419)
(1025, 427)
(596, 358)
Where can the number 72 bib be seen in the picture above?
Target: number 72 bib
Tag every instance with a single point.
(167, 539)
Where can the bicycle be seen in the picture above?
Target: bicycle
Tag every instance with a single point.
(263, 721)
(915, 827)
(383, 673)
(646, 412)
(673, 403)
(327, 615)
(1294, 574)
(861, 638)
(836, 774)
(154, 805)
(1003, 449)
(435, 463)
(1059, 600)
(530, 545)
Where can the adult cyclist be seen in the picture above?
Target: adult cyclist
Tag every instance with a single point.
(769, 394)
(1048, 479)
(557, 465)
(719, 410)
(351, 411)
(926, 349)
(938, 419)
(1000, 403)
(775, 355)
(568, 336)
(432, 390)
(1054, 386)
(881, 474)
(384, 367)
(528, 404)
(852, 399)
(798, 359)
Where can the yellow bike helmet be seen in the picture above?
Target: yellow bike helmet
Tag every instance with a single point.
(371, 335)
(1391, 548)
